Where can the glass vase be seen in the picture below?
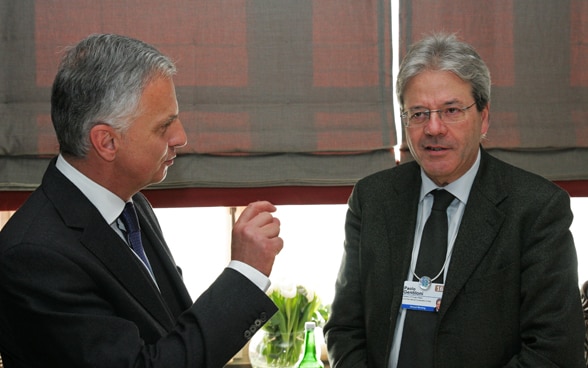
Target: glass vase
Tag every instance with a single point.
(276, 350)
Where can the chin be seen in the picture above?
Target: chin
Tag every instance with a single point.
(159, 177)
(436, 171)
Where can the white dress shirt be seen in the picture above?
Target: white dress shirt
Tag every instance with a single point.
(461, 191)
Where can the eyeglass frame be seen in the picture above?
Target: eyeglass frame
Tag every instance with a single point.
(406, 120)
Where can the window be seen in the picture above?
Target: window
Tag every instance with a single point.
(313, 243)
(199, 239)
(313, 235)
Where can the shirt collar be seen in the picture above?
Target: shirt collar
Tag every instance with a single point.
(460, 188)
(108, 204)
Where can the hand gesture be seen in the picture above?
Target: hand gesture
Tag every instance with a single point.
(255, 239)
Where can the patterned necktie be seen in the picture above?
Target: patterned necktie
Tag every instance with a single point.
(416, 349)
(133, 232)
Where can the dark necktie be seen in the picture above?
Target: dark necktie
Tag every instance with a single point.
(416, 349)
(133, 232)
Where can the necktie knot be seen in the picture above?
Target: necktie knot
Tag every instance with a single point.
(442, 199)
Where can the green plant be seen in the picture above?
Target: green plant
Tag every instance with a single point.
(285, 330)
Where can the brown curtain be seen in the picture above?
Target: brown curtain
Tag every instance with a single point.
(537, 52)
(271, 93)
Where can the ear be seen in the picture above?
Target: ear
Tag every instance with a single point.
(105, 141)
(485, 114)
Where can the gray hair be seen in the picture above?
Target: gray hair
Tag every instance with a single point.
(445, 53)
(100, 81)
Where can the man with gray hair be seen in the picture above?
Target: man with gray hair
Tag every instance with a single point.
(489, 241)
(86, 278)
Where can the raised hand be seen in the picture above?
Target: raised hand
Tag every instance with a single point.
(255, 237)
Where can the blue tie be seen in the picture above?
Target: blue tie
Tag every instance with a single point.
(133, 232)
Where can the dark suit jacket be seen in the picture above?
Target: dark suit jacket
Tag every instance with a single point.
(511, 296)
(72, 294)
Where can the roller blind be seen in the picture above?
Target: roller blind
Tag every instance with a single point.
(271, 93)
(537, 52)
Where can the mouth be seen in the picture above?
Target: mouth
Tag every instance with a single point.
(435, 148)
(170, 161)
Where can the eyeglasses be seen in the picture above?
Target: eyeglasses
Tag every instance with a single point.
(448, 115)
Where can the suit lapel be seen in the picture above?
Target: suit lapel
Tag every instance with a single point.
(118, 258)
(479, 227)
(102, 241)
(169, 278)
(401, 228)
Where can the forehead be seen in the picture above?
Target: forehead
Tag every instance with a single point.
(159, 97)
(434, 88)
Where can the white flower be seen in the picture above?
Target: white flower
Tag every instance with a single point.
(286, 288)
(288, 291)
(309, 295)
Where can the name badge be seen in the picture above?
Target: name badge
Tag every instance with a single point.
(415, 298)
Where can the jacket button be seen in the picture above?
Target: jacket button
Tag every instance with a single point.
(247, 334)
(263, 317)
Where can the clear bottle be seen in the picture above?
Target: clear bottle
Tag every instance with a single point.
(310, 358)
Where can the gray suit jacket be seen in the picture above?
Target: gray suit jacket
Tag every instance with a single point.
(511, 296)
(72, 294)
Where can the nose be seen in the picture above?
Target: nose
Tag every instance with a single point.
(435, 125)
(178, 137)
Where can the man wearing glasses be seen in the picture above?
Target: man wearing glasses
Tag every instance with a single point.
(488, 241)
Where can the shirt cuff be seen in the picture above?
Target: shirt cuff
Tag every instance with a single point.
(252, 274)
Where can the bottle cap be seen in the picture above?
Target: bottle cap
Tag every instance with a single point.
(309, 325)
